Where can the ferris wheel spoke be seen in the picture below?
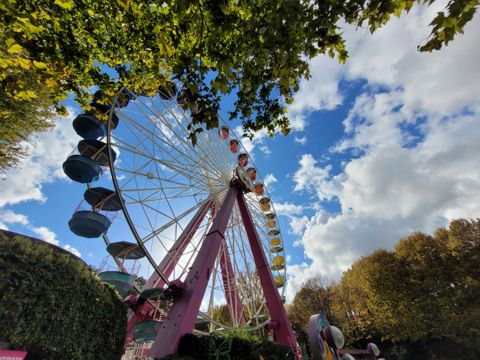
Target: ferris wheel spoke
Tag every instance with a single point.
(167, 140)
(179, 217)
(185, 171)
(153, 137)
(202, 145)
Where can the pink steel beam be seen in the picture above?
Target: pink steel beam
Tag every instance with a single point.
(171, 258)
(181, 317)
(235, 307)
(279, 321)
(168, 263)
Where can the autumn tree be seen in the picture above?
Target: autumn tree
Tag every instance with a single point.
(425, 292)
(256, 50)
(314, 296)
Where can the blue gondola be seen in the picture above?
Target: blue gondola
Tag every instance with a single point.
(146, 330)
(103, 199)
(88, 126)
(97, 150)
(125, 250)
(123, 282)
(82, 169)
(89, 224)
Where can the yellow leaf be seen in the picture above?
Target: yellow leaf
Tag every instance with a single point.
(91, 12)
(24, 63)
(66, 4)
(25, 95)
(15, 49)
(39, 65)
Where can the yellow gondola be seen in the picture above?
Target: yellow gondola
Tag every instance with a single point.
(271, 223)
(265, 204)
(275, 241)
(279, 281)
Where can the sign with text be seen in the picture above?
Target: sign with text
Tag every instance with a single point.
(12, 355)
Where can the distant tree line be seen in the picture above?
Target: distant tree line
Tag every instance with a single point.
(419, 301)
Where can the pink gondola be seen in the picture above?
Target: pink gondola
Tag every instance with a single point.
(234, 146)
(243, 160)
(251, 173)
(224, 132)
(258, 188)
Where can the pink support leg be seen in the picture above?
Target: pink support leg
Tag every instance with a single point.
(182, 315)
(279, 321)
(167, 265)
(235, 307)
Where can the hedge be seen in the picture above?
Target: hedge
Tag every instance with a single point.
(54, 306)
(244, 347)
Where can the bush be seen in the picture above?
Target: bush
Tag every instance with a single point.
(245, 346)
(54, 306)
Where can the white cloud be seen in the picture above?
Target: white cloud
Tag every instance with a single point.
(269, 179)
(411, 139)
(310, 177)
(265, 150)
(74, 251)
(392, 190)
(9, 217)
(45, 234)
(288, 209)
(443, 81)
(293, 212)
(301, 140)
(43, 166)
(320, 92)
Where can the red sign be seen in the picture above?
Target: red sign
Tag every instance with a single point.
(12, 355)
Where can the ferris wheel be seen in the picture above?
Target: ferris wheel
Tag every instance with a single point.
(197, 220)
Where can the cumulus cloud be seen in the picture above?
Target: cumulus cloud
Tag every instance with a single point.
(300, 139)
(411, 139)
(269, 179)
(310, 177)
(293, 212)
(46, 234)
(8, 217)
(43, 166)
(74, 251)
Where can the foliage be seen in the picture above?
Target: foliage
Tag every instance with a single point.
(314, 297)
(258, 50)
(245, 346)
(55, 306)
(420, 300)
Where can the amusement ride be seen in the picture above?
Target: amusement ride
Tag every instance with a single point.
(191, 229)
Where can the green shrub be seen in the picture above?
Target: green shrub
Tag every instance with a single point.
(54, 306)
(245, 346)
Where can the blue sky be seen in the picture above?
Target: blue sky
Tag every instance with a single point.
(384, 145)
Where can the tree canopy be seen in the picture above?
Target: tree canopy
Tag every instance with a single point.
(422, 295)
(257, 50)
